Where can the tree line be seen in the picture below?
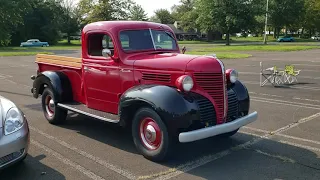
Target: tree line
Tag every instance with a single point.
(49, 20)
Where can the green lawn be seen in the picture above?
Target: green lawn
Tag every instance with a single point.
(222, 55)
(21, 53)
(259, 48)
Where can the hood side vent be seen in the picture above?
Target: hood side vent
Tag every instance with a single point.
(156, 77)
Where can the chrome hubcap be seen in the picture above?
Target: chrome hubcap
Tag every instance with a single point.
(150, 134)
(50, 106)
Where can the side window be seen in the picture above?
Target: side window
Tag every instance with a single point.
(99, 41)
(124, 38)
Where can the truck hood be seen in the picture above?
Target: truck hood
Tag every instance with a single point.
(165, 61)
(5, 105)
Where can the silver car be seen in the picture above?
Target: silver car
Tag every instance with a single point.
(14, 134)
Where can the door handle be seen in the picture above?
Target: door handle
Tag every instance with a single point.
(85, 68)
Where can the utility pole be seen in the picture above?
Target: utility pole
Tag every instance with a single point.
(266, 24)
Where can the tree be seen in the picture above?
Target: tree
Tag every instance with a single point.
(11, 16)
(285, 13)
(164, 16)
(137, 13)
(226, 16)
(311, 18)
(70, 24)
(104, 10)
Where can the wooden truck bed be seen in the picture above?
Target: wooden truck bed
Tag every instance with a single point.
(59, 60)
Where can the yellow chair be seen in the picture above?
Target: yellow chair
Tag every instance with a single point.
(290, 73)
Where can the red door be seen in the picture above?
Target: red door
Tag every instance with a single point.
(101, 75)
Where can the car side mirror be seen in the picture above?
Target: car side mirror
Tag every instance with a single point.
(106, 53)
(184, 49)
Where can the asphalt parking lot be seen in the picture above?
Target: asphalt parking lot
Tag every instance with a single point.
(284, 143)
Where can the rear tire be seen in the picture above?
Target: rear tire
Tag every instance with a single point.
(52, 113)
(151, 136)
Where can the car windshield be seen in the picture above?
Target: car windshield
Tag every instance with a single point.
(147, 39)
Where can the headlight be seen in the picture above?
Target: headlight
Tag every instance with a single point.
(184, 83)
(13, 121)
(232, 75)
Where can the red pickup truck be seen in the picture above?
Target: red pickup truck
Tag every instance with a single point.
(134, 74)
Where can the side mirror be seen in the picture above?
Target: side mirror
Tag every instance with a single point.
(184, 49)
(106, 53)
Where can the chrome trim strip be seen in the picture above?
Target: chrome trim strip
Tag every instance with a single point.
(224, 88)
(218, 129)
(154, 45)
(87, 114)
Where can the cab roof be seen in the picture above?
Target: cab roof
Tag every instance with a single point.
(116, 26)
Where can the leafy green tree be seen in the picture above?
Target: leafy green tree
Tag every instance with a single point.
(285, 13)
(137, 13)
(228, 16)
(11, 16)
(311, 18)
(104, 10)
(164, 16)
(70, 24)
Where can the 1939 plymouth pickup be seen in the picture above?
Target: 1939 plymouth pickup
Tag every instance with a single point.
(134, 74)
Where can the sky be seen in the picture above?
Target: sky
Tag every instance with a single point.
(151, 5)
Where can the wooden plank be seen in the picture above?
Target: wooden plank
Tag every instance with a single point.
(59, 60)
(62, 58)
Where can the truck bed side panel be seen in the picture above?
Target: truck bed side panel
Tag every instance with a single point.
(70, 66)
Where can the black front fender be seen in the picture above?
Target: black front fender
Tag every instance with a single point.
(57, 81)
(243, 96)
(176, 109)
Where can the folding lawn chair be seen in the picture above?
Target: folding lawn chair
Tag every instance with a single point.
(290, 72)
(271, 75)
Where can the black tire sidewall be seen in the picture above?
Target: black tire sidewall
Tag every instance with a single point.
(59, 115)
(164, 150)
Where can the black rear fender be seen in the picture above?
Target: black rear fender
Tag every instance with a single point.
(57, 81)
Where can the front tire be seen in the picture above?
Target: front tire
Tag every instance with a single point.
(151, 136)
(52, 113)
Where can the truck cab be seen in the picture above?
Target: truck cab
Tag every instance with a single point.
(134, 74)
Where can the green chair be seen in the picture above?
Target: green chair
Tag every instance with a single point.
(290, 74)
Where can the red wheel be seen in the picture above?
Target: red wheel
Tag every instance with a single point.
(150, 135)
(53, 114)
(50, 106)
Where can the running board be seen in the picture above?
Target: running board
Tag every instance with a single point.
(83, 109)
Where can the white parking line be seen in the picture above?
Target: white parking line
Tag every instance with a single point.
(299, 139)
(107, 165)
(66, 161)
(283, 101)
(209, 158)
(300, 146)
(311, 100)
(272, 102)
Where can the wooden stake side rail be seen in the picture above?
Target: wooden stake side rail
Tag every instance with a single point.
(59, 60)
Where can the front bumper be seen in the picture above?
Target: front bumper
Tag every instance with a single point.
(14, 147)
(218, 129)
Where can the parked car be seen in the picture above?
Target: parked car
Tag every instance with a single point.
(34, 43)
(285, 39)
(134, 74)
(315, 37)
(14, 134)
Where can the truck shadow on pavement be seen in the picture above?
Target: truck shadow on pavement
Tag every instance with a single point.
(31, 169)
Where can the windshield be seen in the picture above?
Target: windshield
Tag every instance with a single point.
(140, 40)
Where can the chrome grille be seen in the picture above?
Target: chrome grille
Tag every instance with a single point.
(206, 109)
(233, 106)
(213, 84)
